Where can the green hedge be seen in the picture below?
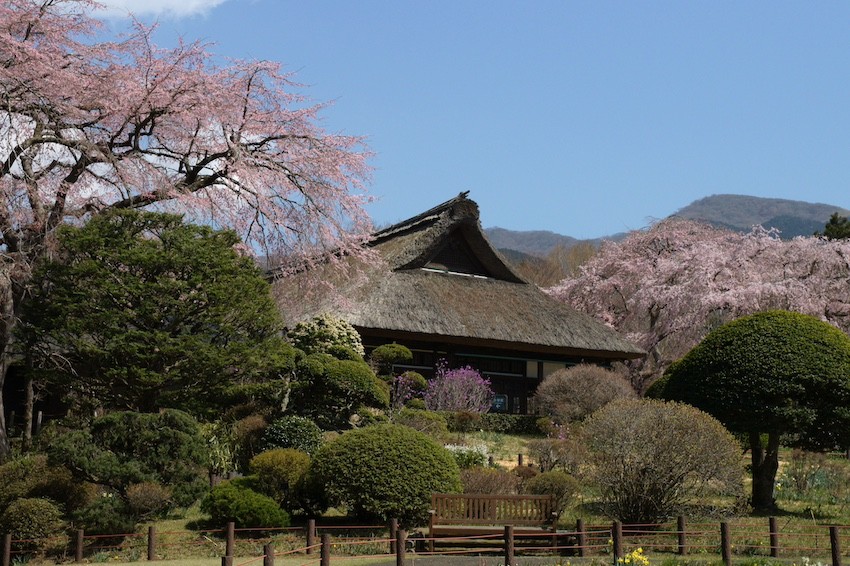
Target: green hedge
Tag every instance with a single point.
(499, 422)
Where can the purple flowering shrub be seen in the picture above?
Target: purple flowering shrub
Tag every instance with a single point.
(461, 389)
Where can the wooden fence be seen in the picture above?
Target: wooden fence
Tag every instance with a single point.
(726, 539)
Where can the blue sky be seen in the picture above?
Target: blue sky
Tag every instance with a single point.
(583, 118)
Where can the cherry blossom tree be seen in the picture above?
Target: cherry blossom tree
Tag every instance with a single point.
(668, 286)
(90, 125)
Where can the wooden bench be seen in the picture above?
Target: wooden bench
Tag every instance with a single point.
(470, 514)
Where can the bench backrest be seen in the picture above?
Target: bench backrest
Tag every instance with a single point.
(485, 509)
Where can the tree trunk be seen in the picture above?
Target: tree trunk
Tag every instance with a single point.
(765, 463)
(26, 442)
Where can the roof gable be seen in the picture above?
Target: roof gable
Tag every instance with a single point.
(446, 238)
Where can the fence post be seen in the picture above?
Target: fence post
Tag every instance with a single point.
(268, 555)
(683, 537)
(151, 543)
(393, 535)
(617, 539)
(509, 545)
(326, 550)
(835, 544)
(725, 543)
(7, 549)
(78, 547)
(774, 537)
(519, 460)
(311, 535)
(400, 546)
(226, 561)
(581, 537)
(230, 538)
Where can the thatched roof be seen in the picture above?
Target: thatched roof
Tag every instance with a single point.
(443, 281)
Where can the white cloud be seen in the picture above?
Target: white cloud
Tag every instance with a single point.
(158, 8)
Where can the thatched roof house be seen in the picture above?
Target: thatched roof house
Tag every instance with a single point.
(445, 293)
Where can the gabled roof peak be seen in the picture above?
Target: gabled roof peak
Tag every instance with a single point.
(459, 206)
(450, 230)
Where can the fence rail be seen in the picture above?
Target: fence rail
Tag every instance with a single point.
(682, 538)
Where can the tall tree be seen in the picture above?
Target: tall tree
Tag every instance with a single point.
(668, 286)
(90, 125)
(777, 374)
(140, 311)
(836, 228)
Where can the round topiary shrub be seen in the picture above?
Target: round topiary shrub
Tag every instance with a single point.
(431, 423)
(149, 499)
(560, 485)
(34, 520)
(488, 480)
(235, 501)
(278, 473)
(295, 432)
(107, 514)
(323, 333)
(385, 471)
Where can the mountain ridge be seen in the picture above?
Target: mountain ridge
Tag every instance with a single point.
(735, 212)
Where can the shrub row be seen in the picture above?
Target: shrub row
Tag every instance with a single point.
(495, 422)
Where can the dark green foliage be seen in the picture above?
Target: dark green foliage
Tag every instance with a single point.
(32, 476)
(770, 372)
(235, 501)
(148, 312)
(293, 432)
(430, 422)
(127, 448)
(504, 423)
(384, 357)
(560, 485)
(837, 228)
(248, 439)
(108, 514)
(32, 519)
(385, 471)
(329, 391)
(779, 374)
(279, 473)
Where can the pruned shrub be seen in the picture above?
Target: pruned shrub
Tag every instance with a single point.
(324, 333)
(650, 458)
(279, 473)
(149, 499)
(34, 520)
(107, 514)
(384, 357)
(295, 432)
(565, 454)
(234, 501)
(124, 448)
(406, 387)
(385, 471)
(329, 391)
(523, 474)
(489, 480)
(247, 434)
(572, 394)
(33, 476)
(560, 485)
(429, 422)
